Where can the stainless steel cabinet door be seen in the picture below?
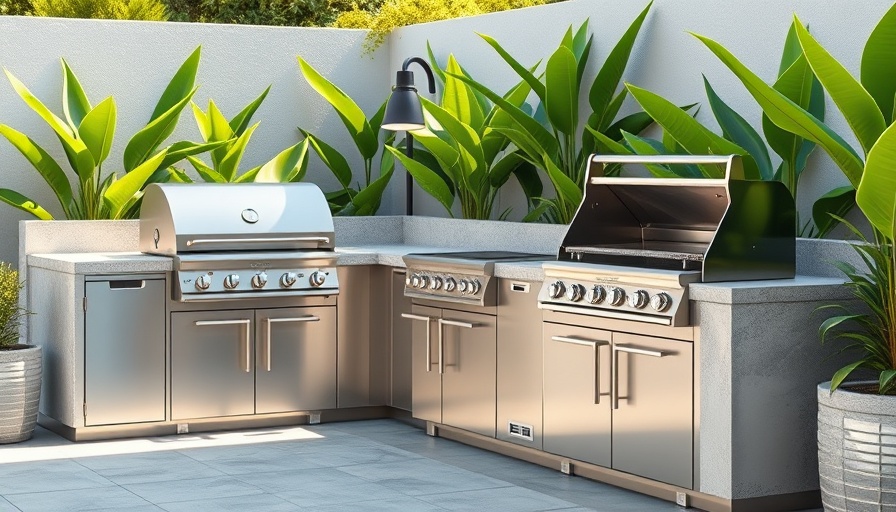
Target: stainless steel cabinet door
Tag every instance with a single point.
(212, 364)
(577, 417)
(469, 365)
(401, 345)
(426, 381)
(124, 351)
(653, 424)
(295, 359)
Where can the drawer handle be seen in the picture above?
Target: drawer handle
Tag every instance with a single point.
(269, 321)
(130, 284)
(428, 338)
(595, 345)
(248, 339)
(628, 350)
(519, 287)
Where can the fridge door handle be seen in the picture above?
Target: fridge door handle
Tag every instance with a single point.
(267, 340)
(428, 338)
(248, 340)
(595, 346)
(614, 392)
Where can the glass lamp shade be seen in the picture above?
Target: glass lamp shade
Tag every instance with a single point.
(404, 111)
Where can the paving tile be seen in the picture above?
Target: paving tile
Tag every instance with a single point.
(148, 467)
(318, 487)
(6, 506)
(514, 498)
(597, 496)
(398, 503)
(231, 463)
(417, 477)
(500, 467)
(53, 475)
(192, 490)
(255, 502)
(113, 497)
(372, 426)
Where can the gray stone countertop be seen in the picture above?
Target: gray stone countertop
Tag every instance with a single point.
(798, 289)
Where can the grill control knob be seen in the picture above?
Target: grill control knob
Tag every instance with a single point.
(288, 279)
(231, 281)
(661, 302)
(450, 284)
(575, 292)
(616, 296)
(259, 280)
(596, 295)
(639, 299)
(203, 282)
(423, 282)
(556, 289)
(475, 286)
(317, 278)
(436, 283)
(414, 281)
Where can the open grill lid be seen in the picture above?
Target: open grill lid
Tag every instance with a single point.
(730, 229)
(178, 219)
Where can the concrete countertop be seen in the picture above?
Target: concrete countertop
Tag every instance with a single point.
(798, 289)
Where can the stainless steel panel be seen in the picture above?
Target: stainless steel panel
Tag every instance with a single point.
(295, 359)
(208, 364)
(353, 337)
(468, 365)
(124, 351)
(426, 387)
(380, 305)
(575, 424)
(519, 360)
(653, 424)
(401, 345)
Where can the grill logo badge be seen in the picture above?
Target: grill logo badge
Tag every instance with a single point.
(249, 215)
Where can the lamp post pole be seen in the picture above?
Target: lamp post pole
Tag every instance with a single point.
(409, 180)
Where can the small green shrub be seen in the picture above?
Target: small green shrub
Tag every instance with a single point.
(15, 7)
(149, 10)
(298, 13)
(10, 313)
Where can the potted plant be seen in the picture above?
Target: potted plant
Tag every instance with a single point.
(20, 365)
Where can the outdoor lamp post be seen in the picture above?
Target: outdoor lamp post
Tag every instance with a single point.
(405, 113)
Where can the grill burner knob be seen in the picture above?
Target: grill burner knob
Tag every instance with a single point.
(639, 299)
(575, 292)
(414, 281)
(316, 278)
(661, 302)
(475, 286)
(450, 284)
(464, 286)
(203, 282)
(596, 295)
(423, 282)
(436, 283)
(231, 281)
(616, 296)
(556, 289)
(259, 280)
(288, 279)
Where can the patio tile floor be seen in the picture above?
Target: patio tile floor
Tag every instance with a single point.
(380, 465)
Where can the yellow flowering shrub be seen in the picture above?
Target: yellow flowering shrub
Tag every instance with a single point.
(399, 13)
(10, 312)
(149, 10)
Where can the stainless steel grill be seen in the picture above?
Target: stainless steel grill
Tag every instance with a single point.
(235, 241)
(636, 243)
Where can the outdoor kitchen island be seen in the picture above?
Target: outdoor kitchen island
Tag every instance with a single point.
(756, 354)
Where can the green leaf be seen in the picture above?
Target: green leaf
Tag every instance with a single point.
(434, 63)
(562, 91)
(459, 99)
(877, 71)
(843, 373)
(529, 179)
(51, 172)
(367, 200)
(858, 107)
(581, 48)
(220, 130)
(429, 181)
(23, 203)
(886, 381)
(228, 165)
(97, 129)
(786, 114)
(182, 149)
(567, 190)
(202, 121)
(792, 50)
(607, 81)
(180, 87)
(469, 146)
(837, 202)
(248, 176)
(534, 83)
(349, 111)
(632, 123)
(205, 172)
(285, 166)
(739, 131)
(148, 139)
(876, 194)
(447, 156)
(75, 104)
(503, 168)
(119, 193)
(240, 122)
(332, 158)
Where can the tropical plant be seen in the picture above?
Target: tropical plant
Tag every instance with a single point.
(362, 199)
(549, 138)
(232, 138)
(11, 314)
(148, 10)
(86, 135)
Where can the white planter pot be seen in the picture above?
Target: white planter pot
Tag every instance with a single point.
(856, 450)
(20, 374)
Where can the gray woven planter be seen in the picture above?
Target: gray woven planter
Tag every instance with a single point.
(856, 450)
(20, 372)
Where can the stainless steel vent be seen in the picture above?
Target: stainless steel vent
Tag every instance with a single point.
(520, 430)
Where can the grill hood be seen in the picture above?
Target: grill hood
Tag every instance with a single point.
(180, 219)
(729, 229)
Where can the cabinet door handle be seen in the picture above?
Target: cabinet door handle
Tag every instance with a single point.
(456, 323)
(248, 339)
(614, 392)
(595, 346)
(428, 338)
(267, 343)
